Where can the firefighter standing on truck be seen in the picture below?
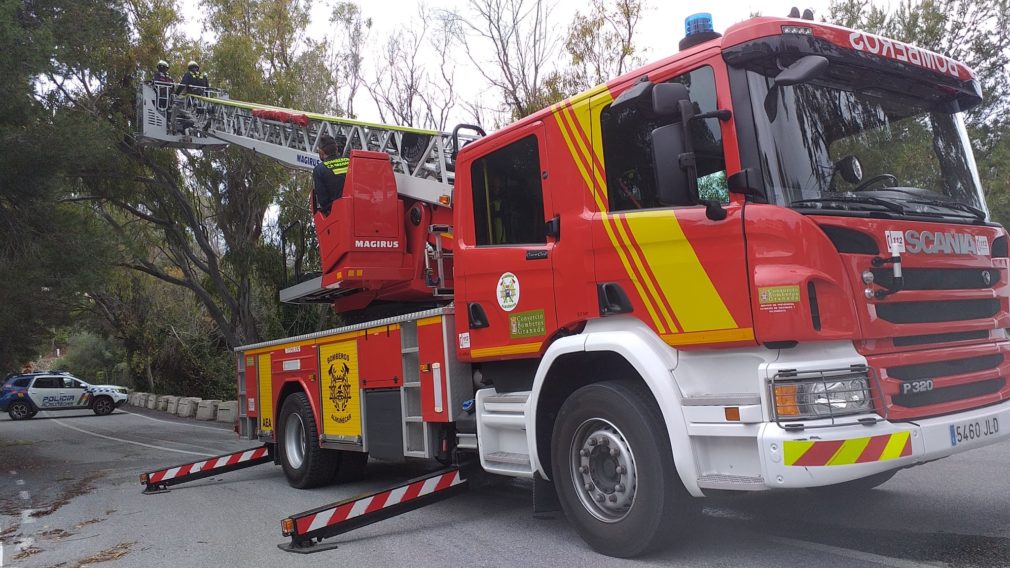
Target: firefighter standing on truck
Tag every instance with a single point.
(328, 175)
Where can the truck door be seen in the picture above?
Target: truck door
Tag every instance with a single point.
(504, 257)
(683, 274)
(45, 392)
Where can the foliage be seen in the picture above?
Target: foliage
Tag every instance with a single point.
(93, 358)
(601, 42)
(519, 36)
(49, 248)
(975, 33)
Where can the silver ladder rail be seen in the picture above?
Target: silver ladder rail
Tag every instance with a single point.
(422, 159)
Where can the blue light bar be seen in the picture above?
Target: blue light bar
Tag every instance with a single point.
(698, 23)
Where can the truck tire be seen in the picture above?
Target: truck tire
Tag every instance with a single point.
(853, 488)
(613, 469)
(103, 406)
(305, 464)
(20, 410)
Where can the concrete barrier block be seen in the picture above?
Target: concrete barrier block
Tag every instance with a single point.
(207, 409)
(139, 399)
(227, 411)
(152, 401)
(172, 404)
(187, 407)
(161, 403)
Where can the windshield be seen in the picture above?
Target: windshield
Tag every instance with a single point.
(910, 156)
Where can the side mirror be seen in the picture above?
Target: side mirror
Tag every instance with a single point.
(673, 186)
(666, 98)
(633, 95)
(802, 70)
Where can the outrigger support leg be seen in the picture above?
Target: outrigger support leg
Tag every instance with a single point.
(159, 481)
(311, 527)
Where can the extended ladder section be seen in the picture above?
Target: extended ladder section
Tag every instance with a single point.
(160, 480)
(387, 238)
(421, 159)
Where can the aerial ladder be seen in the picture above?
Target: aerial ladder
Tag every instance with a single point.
(388, 239)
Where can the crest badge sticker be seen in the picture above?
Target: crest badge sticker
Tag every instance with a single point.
(508, 291)
(341, 404)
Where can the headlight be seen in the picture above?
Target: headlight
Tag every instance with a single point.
(122, 391)
(823, 397)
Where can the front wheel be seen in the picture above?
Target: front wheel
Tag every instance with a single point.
(103, 406)
(20, 410)
(614, 472)
(305, 464)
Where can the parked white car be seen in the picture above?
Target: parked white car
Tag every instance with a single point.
(23, 396)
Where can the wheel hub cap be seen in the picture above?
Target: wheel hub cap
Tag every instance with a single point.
(603, 470)
(294, 441)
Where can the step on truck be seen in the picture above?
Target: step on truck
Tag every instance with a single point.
(764, 262)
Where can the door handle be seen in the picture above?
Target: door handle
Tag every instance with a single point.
(553, 227)
(613, 299)
(477, 316)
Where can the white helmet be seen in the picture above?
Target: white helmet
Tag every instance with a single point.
(192, 64)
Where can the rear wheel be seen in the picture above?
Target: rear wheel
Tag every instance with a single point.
(103, 406)
(614, 472)
(20, 410)
(305, 464)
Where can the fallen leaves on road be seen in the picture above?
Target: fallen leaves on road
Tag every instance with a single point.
(76, 489)
(87, 522)
(56, 534)
(108, 555)
(27, 552)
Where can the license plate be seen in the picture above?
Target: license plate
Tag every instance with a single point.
(973, 430)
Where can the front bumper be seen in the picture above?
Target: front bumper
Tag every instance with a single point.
(825, 456)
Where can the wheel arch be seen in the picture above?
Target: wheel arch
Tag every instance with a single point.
(627, 348)
(289, 388)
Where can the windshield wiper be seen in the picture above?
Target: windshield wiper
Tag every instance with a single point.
(978, 213)
(859, 199)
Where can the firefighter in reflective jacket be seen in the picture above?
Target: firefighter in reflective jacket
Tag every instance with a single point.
(328, 175)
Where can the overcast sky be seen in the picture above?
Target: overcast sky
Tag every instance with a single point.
(659, 30)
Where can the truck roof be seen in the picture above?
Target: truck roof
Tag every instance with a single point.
(756, 28)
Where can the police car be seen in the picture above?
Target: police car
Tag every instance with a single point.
(23, 396)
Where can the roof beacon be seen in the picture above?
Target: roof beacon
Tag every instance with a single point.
(697, 30)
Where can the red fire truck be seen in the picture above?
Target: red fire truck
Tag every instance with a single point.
(764, 262)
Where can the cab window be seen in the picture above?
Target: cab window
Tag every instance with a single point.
(48, 383)
(22, 383)
(627, 148)
(69, 383)
(508, 200)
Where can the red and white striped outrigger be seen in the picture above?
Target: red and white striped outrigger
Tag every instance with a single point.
(356, 512)
(160, 480)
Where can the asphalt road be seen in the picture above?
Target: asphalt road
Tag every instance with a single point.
(70, 497)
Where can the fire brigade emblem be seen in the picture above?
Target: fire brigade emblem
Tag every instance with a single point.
(340, 389)
(508, 291)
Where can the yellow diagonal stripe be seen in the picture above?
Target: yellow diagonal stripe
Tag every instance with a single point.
(894, 446)
(682, 278)
(794, 450)
(654, 295)
(849, 452)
